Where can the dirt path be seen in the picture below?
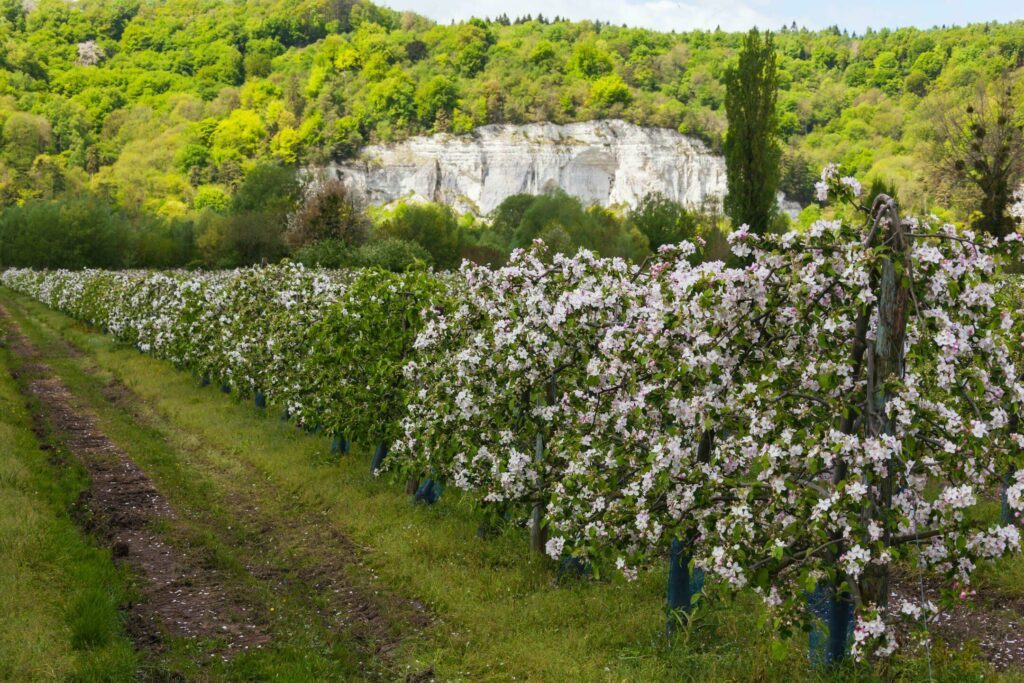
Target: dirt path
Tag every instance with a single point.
(180, 596)
(320, 557)
(296, 553)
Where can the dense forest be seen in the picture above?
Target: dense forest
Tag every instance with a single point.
(167, 133)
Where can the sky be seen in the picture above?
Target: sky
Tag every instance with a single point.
(731, 15)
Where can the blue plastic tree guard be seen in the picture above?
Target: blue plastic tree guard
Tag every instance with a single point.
(428, 492)
(681, 585)
(573, 567)
(260, 400)
(378, 457)
(204, 381)
(340, 445)
(828, 647)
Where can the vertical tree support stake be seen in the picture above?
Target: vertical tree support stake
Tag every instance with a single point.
(888, 365)
(538, 533)
(885, 362)
(1006, 515)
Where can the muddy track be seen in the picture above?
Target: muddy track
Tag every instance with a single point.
(181, 597)
(321, 557)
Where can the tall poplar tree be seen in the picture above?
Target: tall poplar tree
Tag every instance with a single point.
(752, 150)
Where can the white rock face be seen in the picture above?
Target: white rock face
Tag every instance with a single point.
(611, 163)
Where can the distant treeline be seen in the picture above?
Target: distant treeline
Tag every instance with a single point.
(269, 218)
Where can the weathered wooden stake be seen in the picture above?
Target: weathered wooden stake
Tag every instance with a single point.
(538, 532)
(887, 364)
(1006, 515)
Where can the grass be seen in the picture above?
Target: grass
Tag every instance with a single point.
(497, 613)
(60, 593)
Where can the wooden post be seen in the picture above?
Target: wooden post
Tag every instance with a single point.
(538, 535)
(1006, 515)
(886, 363)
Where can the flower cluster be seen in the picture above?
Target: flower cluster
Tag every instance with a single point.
(1017, 207)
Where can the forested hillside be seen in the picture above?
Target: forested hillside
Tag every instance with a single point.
(154, 114)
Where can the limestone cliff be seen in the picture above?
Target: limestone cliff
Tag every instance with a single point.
(604, 162)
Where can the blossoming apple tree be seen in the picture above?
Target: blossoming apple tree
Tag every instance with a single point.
(839, 405)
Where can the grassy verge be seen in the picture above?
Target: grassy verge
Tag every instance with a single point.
(497, 614)
(60, 593)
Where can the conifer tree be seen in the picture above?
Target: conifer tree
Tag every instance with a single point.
(752, 149)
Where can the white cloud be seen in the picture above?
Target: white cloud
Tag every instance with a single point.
(664, 15)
